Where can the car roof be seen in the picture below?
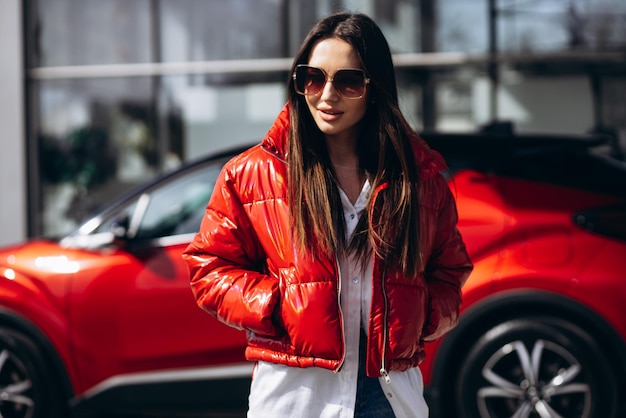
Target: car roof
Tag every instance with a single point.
(586, 162)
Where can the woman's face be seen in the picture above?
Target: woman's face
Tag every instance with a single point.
(336, 116)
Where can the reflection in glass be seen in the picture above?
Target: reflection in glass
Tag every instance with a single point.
(98, 138)
(178, 207)
(88, 32)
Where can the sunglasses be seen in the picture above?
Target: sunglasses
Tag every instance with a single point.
(349, 83)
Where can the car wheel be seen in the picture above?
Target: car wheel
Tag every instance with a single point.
(26, 388)
(535, 368)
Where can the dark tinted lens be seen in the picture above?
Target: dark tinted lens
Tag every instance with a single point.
(309, 80)
(349, 83)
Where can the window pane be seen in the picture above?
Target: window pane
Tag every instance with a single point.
(202, 30)
(216, 117)
(525, 26)
(87, 32)
(562, 25)
(462, 26)
(91, 32)
(97, 138)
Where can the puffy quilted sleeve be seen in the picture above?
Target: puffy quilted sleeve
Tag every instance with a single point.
(226, 263)
(448, 267)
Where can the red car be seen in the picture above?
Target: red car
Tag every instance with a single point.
(103, 320)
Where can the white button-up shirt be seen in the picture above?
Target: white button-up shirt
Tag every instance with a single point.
(280, 391)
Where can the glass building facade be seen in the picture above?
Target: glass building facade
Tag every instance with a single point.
(121, 90)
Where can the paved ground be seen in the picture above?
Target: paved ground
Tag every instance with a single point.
(203, 415)
(186, 415)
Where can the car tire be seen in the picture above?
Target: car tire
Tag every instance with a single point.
(27, 389)
(535, 367)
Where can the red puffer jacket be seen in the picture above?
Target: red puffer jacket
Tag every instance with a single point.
(245, 271)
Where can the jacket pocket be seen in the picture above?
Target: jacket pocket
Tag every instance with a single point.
(407, 315)
(309, 313)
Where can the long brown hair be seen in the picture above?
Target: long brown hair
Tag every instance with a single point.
(390, 225)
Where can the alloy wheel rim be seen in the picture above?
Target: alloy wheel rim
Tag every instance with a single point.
(15, 387)
(544, 382)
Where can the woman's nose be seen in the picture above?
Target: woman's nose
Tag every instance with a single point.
(329, 92)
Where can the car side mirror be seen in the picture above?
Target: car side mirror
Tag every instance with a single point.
(119, 228)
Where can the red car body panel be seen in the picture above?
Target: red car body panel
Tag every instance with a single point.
(110, 313)
(520, 233)
(121, 310)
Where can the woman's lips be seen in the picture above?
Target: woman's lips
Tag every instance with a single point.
(329, 115)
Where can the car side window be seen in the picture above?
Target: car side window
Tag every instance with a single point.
(111, 222)
(177, 207)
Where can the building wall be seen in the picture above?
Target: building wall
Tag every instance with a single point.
(12, 143)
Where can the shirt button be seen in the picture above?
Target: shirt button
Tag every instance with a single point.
(355, 280)
(352, 216)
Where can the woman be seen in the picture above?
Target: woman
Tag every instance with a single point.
(333, 243)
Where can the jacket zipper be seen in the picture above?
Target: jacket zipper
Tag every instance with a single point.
(383, 369)
(343, 332)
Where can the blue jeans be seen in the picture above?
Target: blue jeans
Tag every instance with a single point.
(371, 401)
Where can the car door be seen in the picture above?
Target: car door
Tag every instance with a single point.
(133, 311)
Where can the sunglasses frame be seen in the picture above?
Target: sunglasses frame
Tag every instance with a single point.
(330, 78)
